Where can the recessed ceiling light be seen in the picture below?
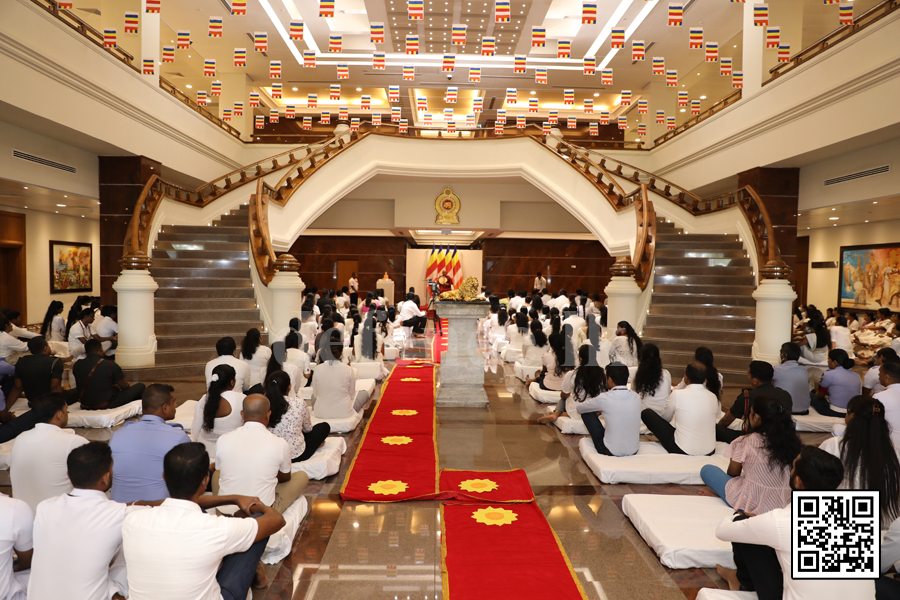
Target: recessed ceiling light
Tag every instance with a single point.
(833, 218)
(294, 89)
(26, 187)
(358, 89)
(56, 211)
(64, 196)
(596, 94)
(875, 202)
(833, 209)
(190, 87)
(866, 220)
(27, 207)
(682, 110)
(703, 97)
(61, 205)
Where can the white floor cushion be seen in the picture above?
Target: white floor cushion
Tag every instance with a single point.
(511, 355)
(306, 393)
(366, 385)
(20, 406)
(5, 454)
(368, 370)
(325, 461)
(681, 529)
(340, 425)
(523, 372)
(391, 353)
(651, 464)
(280, 543)
(98, 419)
(544, 396)
(717, 594)
(571, 425)
(184, 414)
(815, 422)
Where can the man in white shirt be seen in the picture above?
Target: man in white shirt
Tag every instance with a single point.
(412, 316)
(16, 521)
(225, 348)
(78, 536)
(80, 333)
(253, 461)
(540, 282)
(561, 301)
(814, 470)
(107, 327)
(621, 408)
(516, 302)
(871, 383)
(889, 377)
(793, 378)
(694, 409)
(11, 348)
(353, 285)
(178, 552)
(38, 461)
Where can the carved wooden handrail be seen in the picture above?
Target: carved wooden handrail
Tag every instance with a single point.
(696, 120)
(645, 248)
(873, 15)
(260, 240)
(668, 190)
(168, 86)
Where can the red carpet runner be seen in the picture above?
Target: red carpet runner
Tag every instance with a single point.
(439, 342)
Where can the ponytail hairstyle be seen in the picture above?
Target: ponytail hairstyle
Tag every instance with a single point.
(223, 377)
(251, 343)
(590, 379)
(705, 356)
(276, 385)
(357, 320)
(558, 348)
(74, 311)
(538, 337)
(502, 316)
(823, 337)
(381, 319)
(869, 456)
(369, 339)
(55, 308)
(522, 323)
(841, 358)
(634, 342)
(648, 377)
(291, 341)
(777, 429)
(537, 303)
(555, 326)
(277, 358)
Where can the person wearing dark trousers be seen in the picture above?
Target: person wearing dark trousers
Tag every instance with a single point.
(760, 374)
(694, 409)
(620, 406)
(38, 373)
(100, 382)
(412, 316)
(353, 286)
(839, 384)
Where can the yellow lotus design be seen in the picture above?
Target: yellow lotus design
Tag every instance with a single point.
(494, 516)
(404, 413)
(388, 487)
(396, 440)
(410, 379)
(478, 485)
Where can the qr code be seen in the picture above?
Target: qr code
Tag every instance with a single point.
(835, 535)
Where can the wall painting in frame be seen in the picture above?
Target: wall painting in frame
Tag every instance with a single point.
(870, 277)
(71, 267)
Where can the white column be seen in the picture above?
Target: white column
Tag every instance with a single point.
(287, 298)
(339, 129)
(137, 337)
(150, 46)
(622, 294)
(774, 299)
(754, 44)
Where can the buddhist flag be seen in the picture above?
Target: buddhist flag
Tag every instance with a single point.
(660, 117)
(240, 57)
(63, 5)
(625, 99)
(394, 93)
(216, 88)
(695, 107)
(238, 7)
(487, 46)
(335, 42)
(563, 48)
(540, 75)
(682, 99)
(832, 1)
(431, 268)
(309, 59)
(260, 41)
(773, 37)
(498, 129)
(725, 66)
(458, 34)
(296, 31)
(448, 114)
(276, 90)
(365, 102)
(501, 11)
(518, 63)
(642, 129)
(376, 118)
(168, 54)
(215, 27)
(412, 44)
(343, 113)
(588, 106)
(501, 116)
(695, 38)
(226, 115)
(589, 63)
(760, 15)
(449, 63)
(589, 12)
(477, 105)
(312, 101)
(659, 65)
(183, 39)
(470, 120)
(131, 22)
(421, 103)
(606, 77)
(307, 123)
(274, 69)
(239, 109)
(594, 129)
(571, 122)
(451, 95)
(395, 114)
(325, 117)
(202, 98)
(153, 6)
(326, 8)
(545, 129)
(617, 38)
(209, 67)
(109, 38)
(474, 74)
(712, 51)
(290, 112)
(510, 95)
(671, 78)
(404, 126)
(604, 117)
(457, 269)
(451, 126)
(643, 106)
(354, 124)
(737, 80)
(638, 47)
(538, 37)
(553, 117)
(845, 14)
(520, 122)
(533, 105)
(569, 97)
(149, 66)
(426, 119)
(259, 122)
(334, 91)
(415, 10)
(378, 61)
(409, 73)
(784, 53)
(376, 33)
(670, 122)
(254, 99)
(343, 72)
(676, 14)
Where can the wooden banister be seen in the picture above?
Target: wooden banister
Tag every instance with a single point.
(645, 248)
(168, 86)
(260, 240)
(696, 120)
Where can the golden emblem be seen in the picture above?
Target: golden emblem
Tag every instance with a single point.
(447, 206)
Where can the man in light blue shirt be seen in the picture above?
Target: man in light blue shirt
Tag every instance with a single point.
(793, 378)
(139, 448)
(621, 408)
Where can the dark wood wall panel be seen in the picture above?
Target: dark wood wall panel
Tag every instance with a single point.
(319, 255)
(801, 271)
(512, 264)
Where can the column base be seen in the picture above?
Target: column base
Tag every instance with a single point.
(132, 358)
(461, 396)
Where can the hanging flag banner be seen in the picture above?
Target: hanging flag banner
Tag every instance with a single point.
(395, 114)
(452, 92)
(290, 112)
(625, 98)
(153, 6)
(563, 48)
(326, 8)
(642, 129)
(510, 95)
(737, 80)
(498, 129)
(594, 129)
(660, 117)
(409, 73)
(695, 41)
(238, 109)
(533, 105)
(296, 30)
(168, 54)
(183, 39)
(226, 115)
(260, 41)
(606, 77)
(676, 14)
(588, 106)
(451, 127)
(394, 93)
(538, 37)
(845, 14)
(712, 51)
(354, 124)
(274, 69)
(501, 11)
(643, 106)
(725, 66)
(520, 122)
(149, 67)
(378, 61)
(427, 119)
(412, 44)
(365, 103)
(376, 33)
(449, 63)
(569, 97)
(590, 65)
(571, 122)
(254, 99)
(343, 113)
(458, 34)
(477, 105)
(312, 101)
(259, 122)
(109, 38)
(671, 78)
(545, 128)
(309, 59)
(215, 27)
(131, 22)
(617, 38)
(682, 99)
(659, 65)
(589, 12)
(638, 47)
(404, 126)
(773, 37)
(238, 7)
(67, 5)
(540, 75)
(209, 67)
(695, 107)
(470, 120)
(335, 42)
(325, 118)
(421, 103)
(519, 63)
(604, 117)
(784, 53)
(501, 116)
(670, 122)
(487, 46)
(760, 15)
(202, 98)
(474, 74)
(553, 117)
(216, 88)
(240, 57)
(334, 91)
(415, 10)
(307, 123)
(343, 72)
(276, 90)
(448, 114)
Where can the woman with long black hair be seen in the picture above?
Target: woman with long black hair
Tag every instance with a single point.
(626, 344)
(368, 345)
(255, 354)
(54, 326)
(651, 381)
(290, 419)
(554, 363)
(714, 379)
(219, 410)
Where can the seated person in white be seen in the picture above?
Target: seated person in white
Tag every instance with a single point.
(255, 354)
(534, 347)
(487, 322)
(515, 333)
(651, 381)
(626, 345)
(54, 326)
(107, 328)
(78, 536)
(16, 521)
(556, 364)
(840, 336)
(178, 551)
(298, 358)
(334, 386)
(308, 329)
(15, 319)
(753, 539)
(871, 384)
(714, 379)
(368, 345)
(38, 460)
(219, 410)
(253, 461)
(290, 418)
(593, 336)
(889, 376)
(11, 348)
(412, 316)
(80, 332)
(694, 409)
(225, 348)
(570, 317)
(567, 405)
(497, 334)
(278, 362)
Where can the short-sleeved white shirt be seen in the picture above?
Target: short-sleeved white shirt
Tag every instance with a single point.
(16, 521)
(249, 460)
(241, 371)
(38, 463)
(695, 410)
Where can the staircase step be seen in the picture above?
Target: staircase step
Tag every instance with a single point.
(661, 224)
(205, 304)
(683, 242)
(700, 288)
(185, 356)
(233, 220)
(733, 378)
(722, 361)
(200, 246)
(199, 272)
(698, 335)
(699, 274)
(672, 261)
(199, 316)
(165, 373)
(219, 328)
(205, 341)
(686, 310)
(723, 322)
(703, 300)
(689, 346)
(668, 236)
(213, 257)
(186, 229)
(715, 253)
(178, 281)
(209, 234)
(745, 282)
(208, 292)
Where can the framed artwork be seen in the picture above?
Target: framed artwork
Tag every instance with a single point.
(870, 277)
(71, 267)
